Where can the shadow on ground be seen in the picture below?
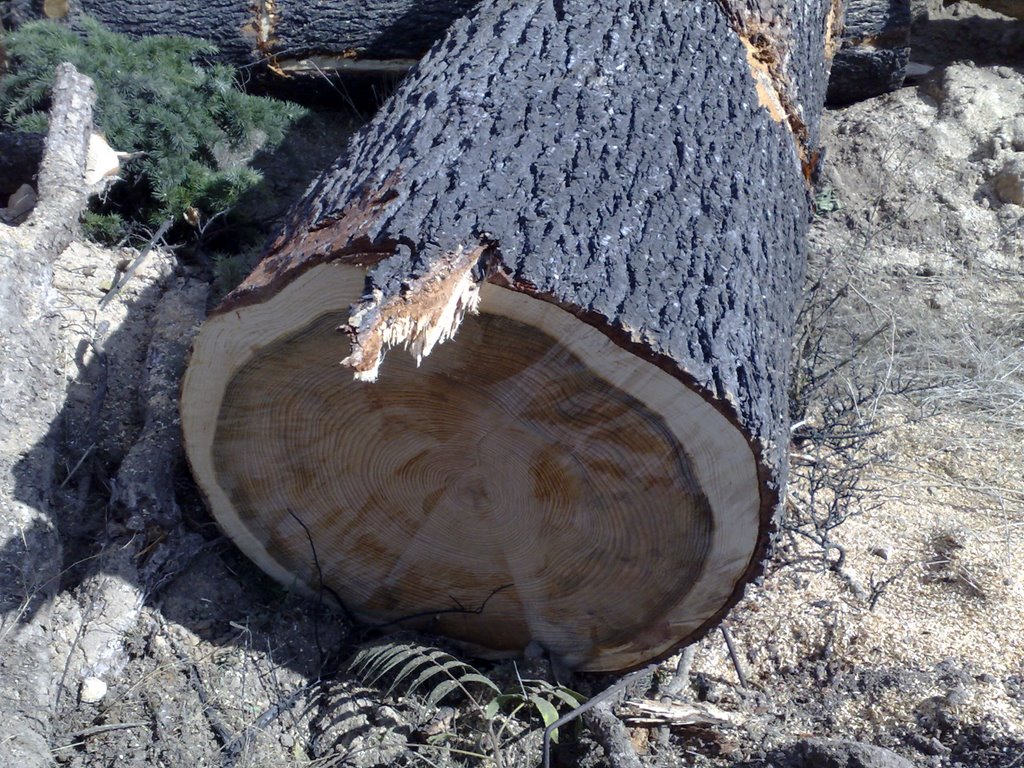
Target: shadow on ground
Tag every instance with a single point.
(202, 658)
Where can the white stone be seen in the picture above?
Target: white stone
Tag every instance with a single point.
(93, 690)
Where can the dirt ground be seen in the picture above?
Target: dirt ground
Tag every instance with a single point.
(890, 615)
(913, 640)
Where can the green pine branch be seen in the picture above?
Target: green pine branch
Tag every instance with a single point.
(161, 97)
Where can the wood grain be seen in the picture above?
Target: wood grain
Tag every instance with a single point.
(529, 482)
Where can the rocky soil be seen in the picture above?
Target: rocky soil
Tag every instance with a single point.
(887, 630)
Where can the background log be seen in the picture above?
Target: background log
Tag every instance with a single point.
(20, 154)
(388, 36)
(594, 464)
(875, 50)
(285, 32)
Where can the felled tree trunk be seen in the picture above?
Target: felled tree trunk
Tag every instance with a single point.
(600, 209)
(291, 35)
(296, 37)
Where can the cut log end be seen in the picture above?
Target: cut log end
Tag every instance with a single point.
(531, 481)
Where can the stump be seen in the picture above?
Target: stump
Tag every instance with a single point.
(586, 224)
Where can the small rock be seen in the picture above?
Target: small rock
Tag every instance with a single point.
(93, 690)
(941, 300)
(1009, 182)
(1015, 134)
(20, 203)
(854, 582)
(839, 753)
(883, 551)
(287, 740)
(929, 745)
(957, 695)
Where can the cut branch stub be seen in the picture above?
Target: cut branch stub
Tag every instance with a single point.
(593, 462)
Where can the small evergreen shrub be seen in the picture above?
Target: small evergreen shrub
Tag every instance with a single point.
(194, 130)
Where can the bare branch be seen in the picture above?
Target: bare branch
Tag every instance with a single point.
(62, 188)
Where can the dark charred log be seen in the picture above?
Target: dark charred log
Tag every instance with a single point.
(875, 50)
(291, 35)
(20, 154)
(386, 37)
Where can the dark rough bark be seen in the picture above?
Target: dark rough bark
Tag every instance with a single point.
(875, 50)
(641, 166)
(30, 390)
(370, 28)
(19, 160)
(290, 30)
(587, 200)
(793, 44)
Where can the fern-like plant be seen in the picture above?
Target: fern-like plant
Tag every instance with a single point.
(432, 675)
(398, 662)
(191, 127)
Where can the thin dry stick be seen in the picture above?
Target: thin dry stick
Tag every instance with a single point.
(136, 262)
(732, 655)
(592, 702)
(231, 746)
(78, 464)
(80, 736)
